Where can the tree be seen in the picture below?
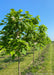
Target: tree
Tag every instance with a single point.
(18, 33)
(31, 35)
(15, 26)
(42, 38)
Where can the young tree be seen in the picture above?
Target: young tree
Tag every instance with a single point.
(15, 26)
(18, 33)
(31, 35)
(42, 36)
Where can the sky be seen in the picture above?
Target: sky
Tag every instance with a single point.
(44, 8)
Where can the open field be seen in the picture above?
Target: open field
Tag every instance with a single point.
(9, 66)
(44, 63)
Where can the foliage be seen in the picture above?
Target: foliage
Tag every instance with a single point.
(19, 32)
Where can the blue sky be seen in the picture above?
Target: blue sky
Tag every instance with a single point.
(44, 8)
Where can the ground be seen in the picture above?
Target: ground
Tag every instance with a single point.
(43, 65)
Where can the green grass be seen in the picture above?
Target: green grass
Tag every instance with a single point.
(44, 64)
(52, 58)
(11, 67)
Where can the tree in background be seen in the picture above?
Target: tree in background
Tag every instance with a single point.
(42, 38)
(31, 35)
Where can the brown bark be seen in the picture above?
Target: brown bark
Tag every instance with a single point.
(19, 73)
(33, 57)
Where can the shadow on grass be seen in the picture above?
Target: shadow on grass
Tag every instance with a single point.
(9, 59)
(1, 68)
(38, 64)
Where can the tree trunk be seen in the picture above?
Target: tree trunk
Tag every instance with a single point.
(33, 57)
(19, 73)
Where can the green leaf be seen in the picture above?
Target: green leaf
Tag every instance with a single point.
(38, 17)
(12, 9)
(24, 51)
(27, 12)
(1, 23)
(2, 20)
(13, 56)
(18, 53)
(12, 52)
(20, 10)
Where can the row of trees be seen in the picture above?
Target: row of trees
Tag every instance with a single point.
(21, 32)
